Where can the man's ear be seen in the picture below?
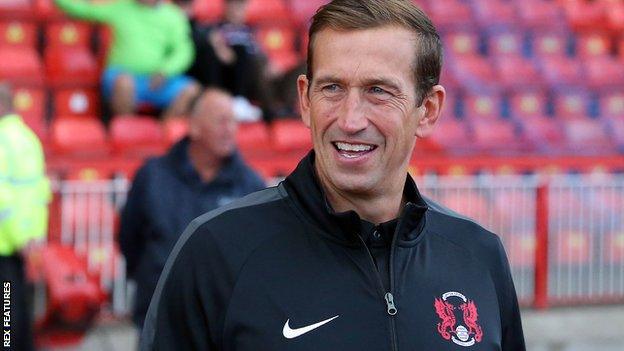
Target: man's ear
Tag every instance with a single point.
(304, 99)
(432, 104)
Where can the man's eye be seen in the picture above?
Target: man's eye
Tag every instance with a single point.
(379, 93)
(331, 90)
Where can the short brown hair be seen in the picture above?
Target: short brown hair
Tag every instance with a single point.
(345, 15)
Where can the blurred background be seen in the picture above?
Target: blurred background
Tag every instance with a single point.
(531, 145)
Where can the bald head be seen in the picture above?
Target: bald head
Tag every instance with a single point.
(212, 124)
(6, 99)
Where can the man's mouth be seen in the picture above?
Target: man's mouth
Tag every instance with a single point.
(351, 150)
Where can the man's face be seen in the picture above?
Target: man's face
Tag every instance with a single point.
(361, 108)
(213, 125)
(235, 11)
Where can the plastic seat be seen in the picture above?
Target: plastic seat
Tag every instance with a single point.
(451, 136)
(528, 103)
(208, 10)
(15, 9)
(14, 33)
(549, 43)
(468, 203)
(611, 104)
(46, 10)
(290, 135)
(175, 129)
(494, 12)
(267, 11)
(253, 138)
(616, 127)
(542, 134)
(615, 16)
(593, 44)
(77, 102)
(587, 136)
(516, 72)
(571, 104)
(68, 58)
(78, 136)
(278, 42)
(497, 136)
(562, 71)
(603, 73)
(585, 15)
(462, 42)
(21, 66)
(303, 10)
(138, 136)
(474, 72)
(539, 14)
(30, 103)
(482, 105)
(447, 14)
(505, 43)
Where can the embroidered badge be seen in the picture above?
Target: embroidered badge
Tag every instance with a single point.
(451, 306)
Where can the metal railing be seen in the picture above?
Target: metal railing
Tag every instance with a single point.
(564, 235)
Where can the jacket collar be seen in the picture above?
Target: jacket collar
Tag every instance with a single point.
(179, 157)
(303, 185)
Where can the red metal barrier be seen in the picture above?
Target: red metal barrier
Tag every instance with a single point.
(541, 248)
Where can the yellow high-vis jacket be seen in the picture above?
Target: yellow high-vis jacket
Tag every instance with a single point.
(24, 188)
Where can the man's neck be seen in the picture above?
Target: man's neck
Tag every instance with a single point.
(376, 208)
(206, 164)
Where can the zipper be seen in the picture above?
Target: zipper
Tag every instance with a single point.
(387, 295)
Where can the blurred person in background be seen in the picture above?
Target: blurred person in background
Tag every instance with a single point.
(228, 56)
(24, 197)
(345, 254)
(200, 173)
(151, 50)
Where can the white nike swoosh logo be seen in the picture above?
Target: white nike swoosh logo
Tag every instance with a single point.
(293, 333)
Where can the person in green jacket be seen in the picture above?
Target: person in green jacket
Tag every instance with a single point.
(151, 49)
(24, 197)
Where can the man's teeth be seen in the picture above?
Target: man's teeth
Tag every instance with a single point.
(353, 147)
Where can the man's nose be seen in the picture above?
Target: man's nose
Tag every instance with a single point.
(352, 117)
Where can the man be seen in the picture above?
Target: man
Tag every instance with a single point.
(24, 197)
(345, 254)
(151, 50)
(200, 173)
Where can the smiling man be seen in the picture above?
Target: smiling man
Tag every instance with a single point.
(345, 254)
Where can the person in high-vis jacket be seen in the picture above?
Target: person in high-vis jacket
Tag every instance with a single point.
(345, 254)
(24, 197)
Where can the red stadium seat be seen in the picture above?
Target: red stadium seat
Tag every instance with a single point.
(468, 203)
(616, 127)
(15, 33)
(138, 136)
(593, 44)
(587, 136)
(278, 42)
(497, 137)
(611, 104)
(253, 138)
(47, 10)
(208, 10)
(78, 136)
(603, 73)
(542, 133)
(505, 43)
(22, 66)
(30, 103)
(76, 102)
(527, 103)
(303, 10)
(494, 12)
(15, 9)
(540, 14)
(585, 15)
(175, 129)
(290, 135)
(549, 43)
(516, 72)
(68, 59)
(474, 72)
(451, 136)
(571, 104)
(447, 14)
(69, 34)
(267, 11)
(615, 16)
(562, 71)
(462, 42)
(482, 105)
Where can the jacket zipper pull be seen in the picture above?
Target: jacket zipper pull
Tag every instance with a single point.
(390, 304)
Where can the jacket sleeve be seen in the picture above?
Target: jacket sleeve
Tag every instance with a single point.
(6, 201)
(83, 9)
(513, 336)
(186, 304)
(132, 223)
(181, 50)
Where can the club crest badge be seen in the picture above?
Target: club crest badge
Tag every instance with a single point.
(458, 319)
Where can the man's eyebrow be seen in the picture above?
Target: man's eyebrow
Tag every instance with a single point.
(327, 79)
(383, 81)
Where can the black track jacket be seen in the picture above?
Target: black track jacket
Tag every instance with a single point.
(277, 270)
